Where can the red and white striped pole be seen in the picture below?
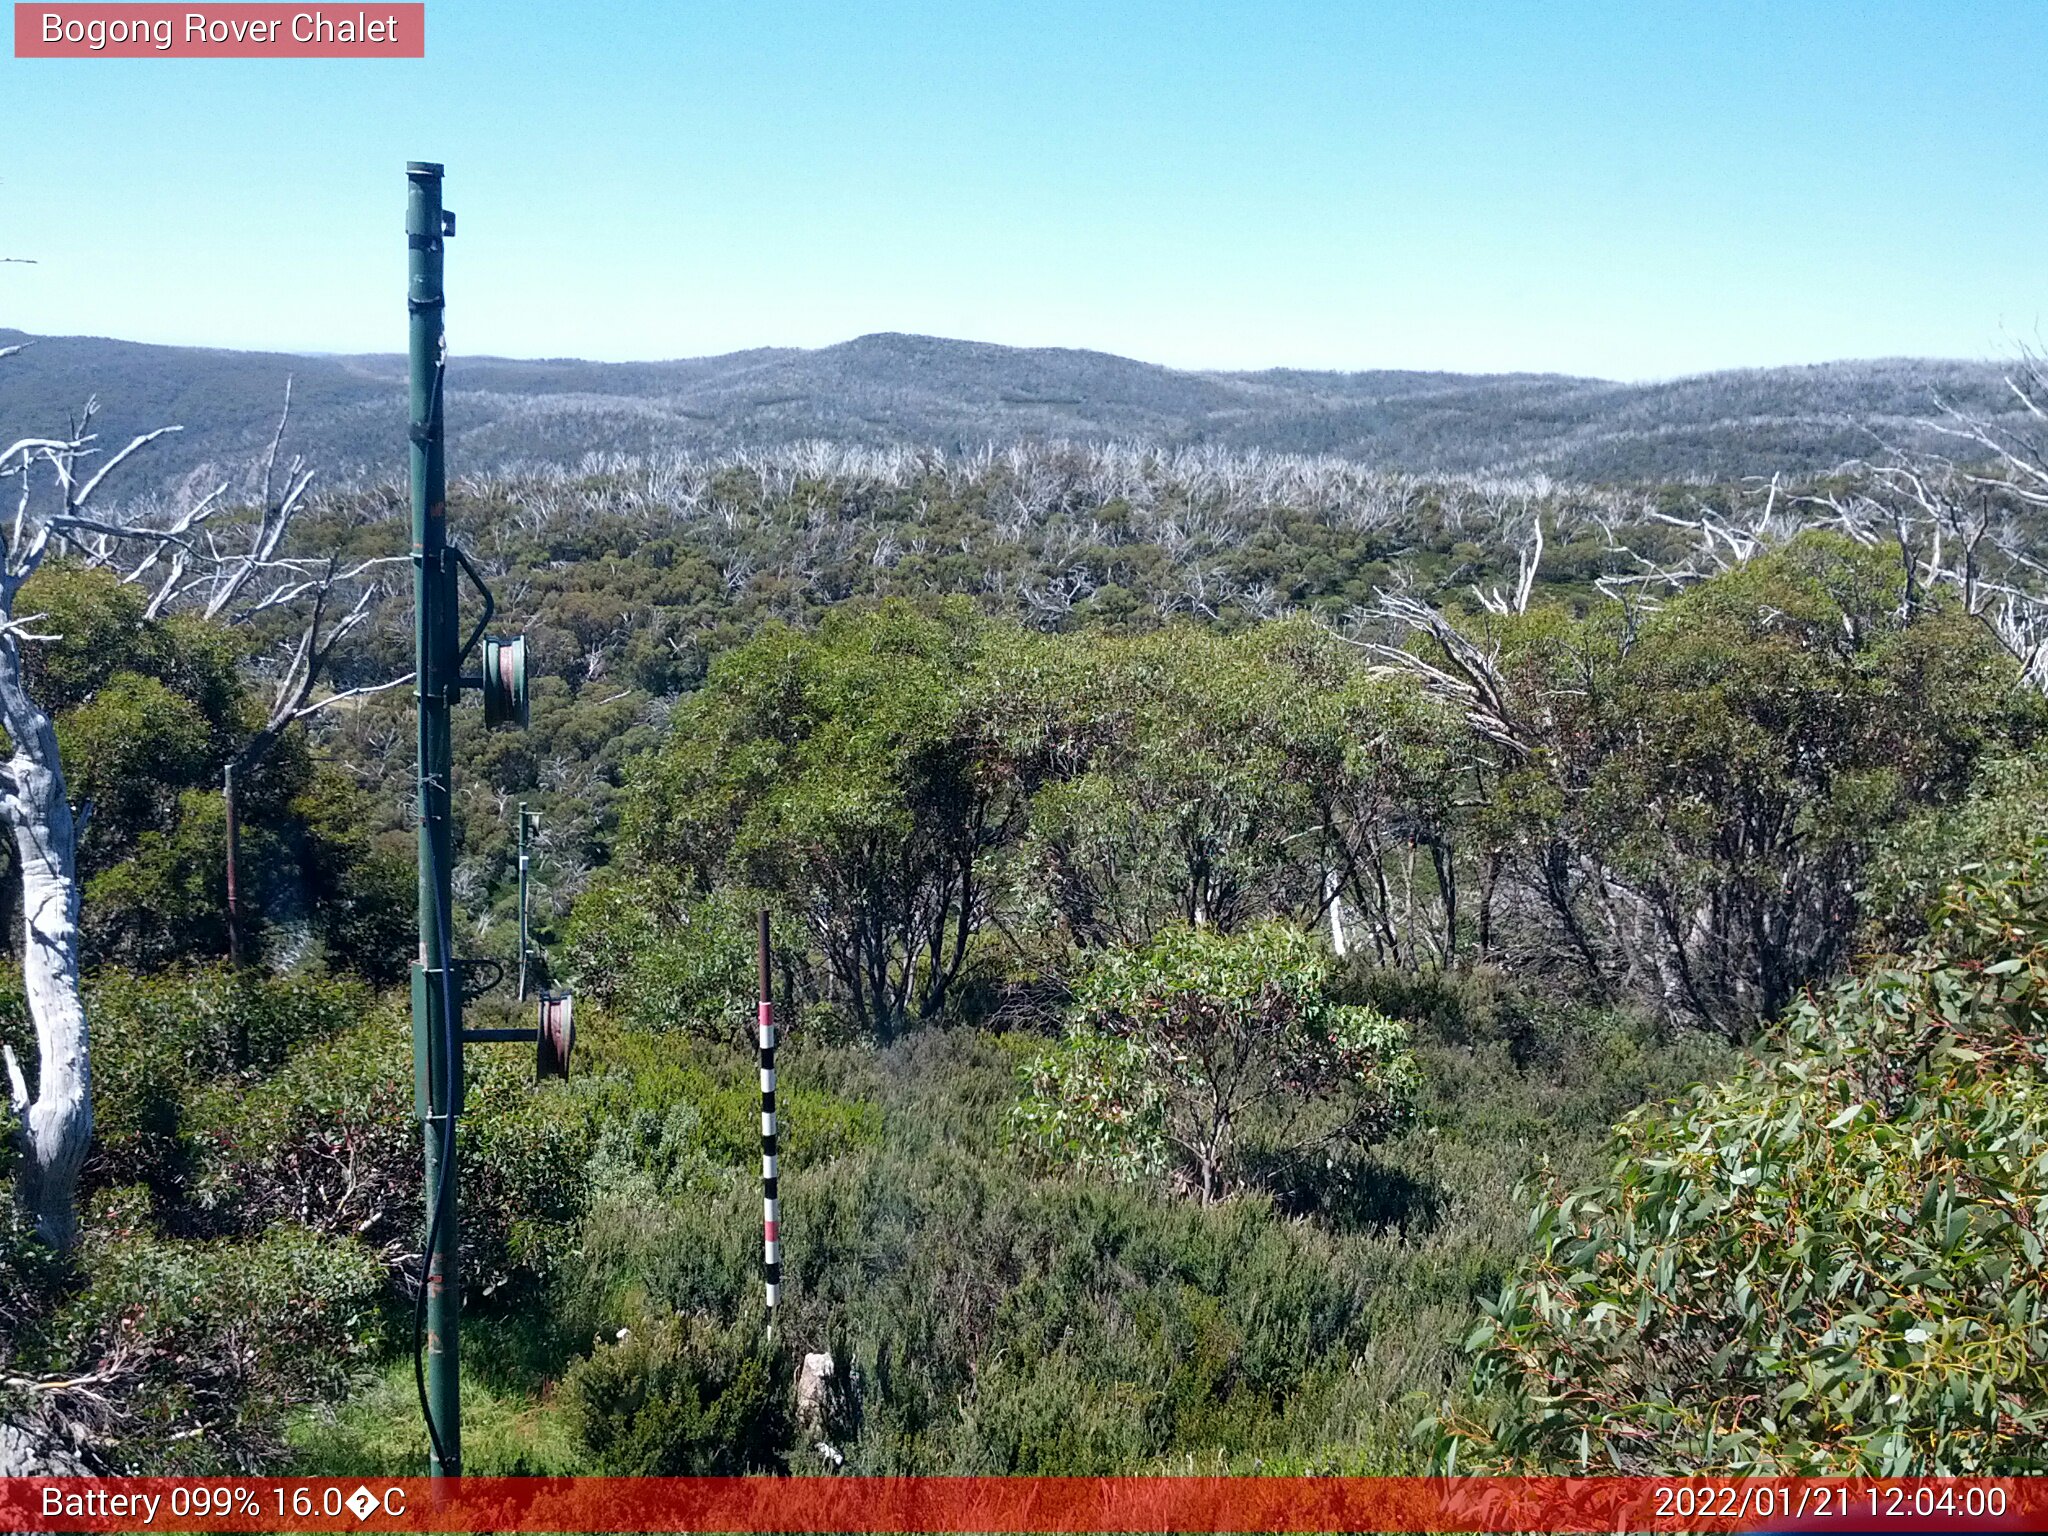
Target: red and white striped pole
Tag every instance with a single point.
(771, 1242)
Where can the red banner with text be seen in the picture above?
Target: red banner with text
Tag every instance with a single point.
(1024, 1504)
(260, 31)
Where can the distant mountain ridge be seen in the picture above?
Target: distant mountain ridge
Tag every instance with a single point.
(348, 414)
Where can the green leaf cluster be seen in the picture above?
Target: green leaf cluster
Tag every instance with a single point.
(1215, 1060)
(1832, 1262)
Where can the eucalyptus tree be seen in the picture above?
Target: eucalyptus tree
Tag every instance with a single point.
(850, 772)
(1689, 793)
(1185, 786)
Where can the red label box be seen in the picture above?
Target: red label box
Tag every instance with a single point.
(238, 31)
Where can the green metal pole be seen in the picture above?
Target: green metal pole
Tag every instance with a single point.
(436, 1020)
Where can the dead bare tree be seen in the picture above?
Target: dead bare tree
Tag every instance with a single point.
(1959, 524)
(55, 1117)
(240, 574)
(1528, 561)
(1466, 672)
(1976, 545)
(185, 563)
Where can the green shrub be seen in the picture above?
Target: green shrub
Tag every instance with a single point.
(203, 1348)
(32, 1276)
(1913, 863)
(331, 1140)
(159, 1039)
(524, 1174)
(1831, 1263)
(682, 1397)
(648, 1079)
(1001, 1316)
(1219, 1059)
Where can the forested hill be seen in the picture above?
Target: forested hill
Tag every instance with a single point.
(921, 390)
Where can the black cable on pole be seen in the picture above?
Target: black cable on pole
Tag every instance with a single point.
(444, 924)
(771, 1233)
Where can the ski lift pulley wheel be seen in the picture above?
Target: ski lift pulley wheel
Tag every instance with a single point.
(556, 1036)
(505, 681)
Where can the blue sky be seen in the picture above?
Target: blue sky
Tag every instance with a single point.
(1634, 190)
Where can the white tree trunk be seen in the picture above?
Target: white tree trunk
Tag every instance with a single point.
(56, 1123)
(56, 1119)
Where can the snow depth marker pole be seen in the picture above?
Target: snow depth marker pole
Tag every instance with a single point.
(771, 1241)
